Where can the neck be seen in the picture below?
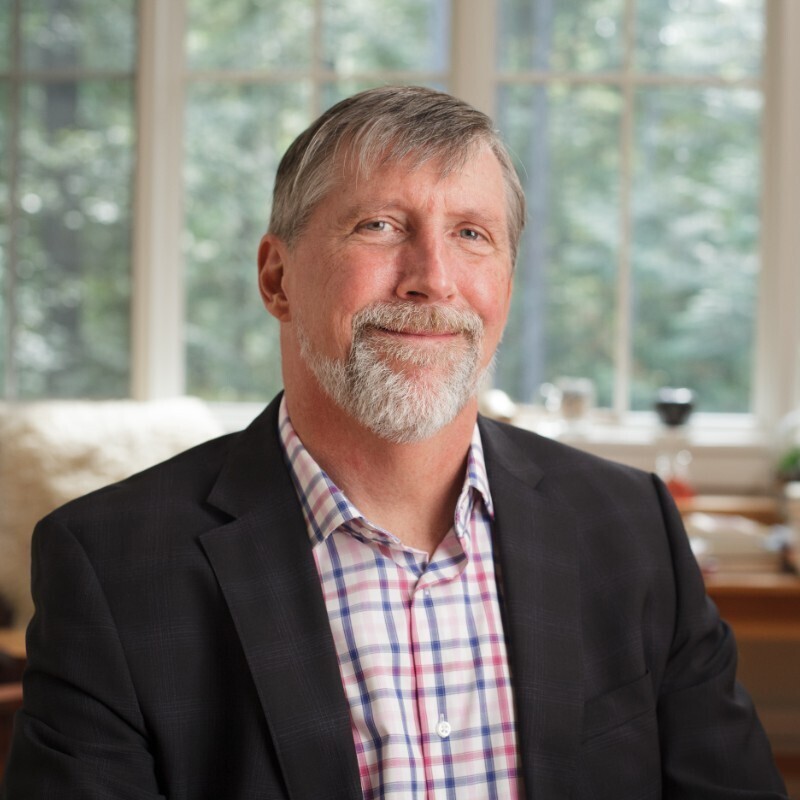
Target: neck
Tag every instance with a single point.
(409, 490)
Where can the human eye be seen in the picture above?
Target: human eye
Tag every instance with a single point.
(375, 226)
(471, 235)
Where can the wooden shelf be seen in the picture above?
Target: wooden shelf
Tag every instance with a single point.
(12, 642)
(758, 606)
(761, 508)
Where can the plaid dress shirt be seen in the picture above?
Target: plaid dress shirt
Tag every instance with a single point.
(420, 641)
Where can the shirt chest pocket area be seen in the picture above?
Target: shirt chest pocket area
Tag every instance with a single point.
(619, 707)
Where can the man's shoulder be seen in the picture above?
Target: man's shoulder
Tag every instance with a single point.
(567, 475)
(182, 482)
(520, 446)
(185, 478)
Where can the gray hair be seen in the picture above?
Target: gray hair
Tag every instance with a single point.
(379, 126)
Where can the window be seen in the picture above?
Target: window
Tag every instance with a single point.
(67, 144)
(638, 128)
(656, 139)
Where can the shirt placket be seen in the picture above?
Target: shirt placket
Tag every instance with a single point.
(428, 658)
(437, 737)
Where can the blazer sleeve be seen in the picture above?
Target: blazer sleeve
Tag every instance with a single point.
(80, 733)
(713, 745)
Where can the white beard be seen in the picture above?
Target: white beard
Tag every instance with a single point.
(399, 391)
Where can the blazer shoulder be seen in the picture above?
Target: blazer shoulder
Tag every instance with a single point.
(172, 488)
(188, 475)
(515, 447)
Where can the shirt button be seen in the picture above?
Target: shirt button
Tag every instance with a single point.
(443, 728)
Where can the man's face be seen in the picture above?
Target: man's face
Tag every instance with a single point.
(397, 292)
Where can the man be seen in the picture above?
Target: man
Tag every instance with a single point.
(371, 592)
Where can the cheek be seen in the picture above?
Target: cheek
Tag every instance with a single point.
(495, 315)
(492, 300)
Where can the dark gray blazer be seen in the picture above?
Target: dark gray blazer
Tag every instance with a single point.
(181, 646)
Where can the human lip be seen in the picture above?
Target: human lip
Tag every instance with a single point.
(418, 334)
(411, 323)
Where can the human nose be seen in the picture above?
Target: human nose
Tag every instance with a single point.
(427, 271)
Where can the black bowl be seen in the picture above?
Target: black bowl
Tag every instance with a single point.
(674, 406)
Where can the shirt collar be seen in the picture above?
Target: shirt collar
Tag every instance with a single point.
(326, 507)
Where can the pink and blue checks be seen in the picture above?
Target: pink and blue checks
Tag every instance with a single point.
(420, 642)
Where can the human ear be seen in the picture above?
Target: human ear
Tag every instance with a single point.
(271, 256)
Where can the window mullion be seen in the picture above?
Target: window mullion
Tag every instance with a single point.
(317, 64)
(472, 52)
(158, 294)
(623, 345)
(777, 384)
(10, 278)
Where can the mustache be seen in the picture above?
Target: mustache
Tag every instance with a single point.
(414, 318)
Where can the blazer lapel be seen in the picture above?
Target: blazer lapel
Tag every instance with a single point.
(263, 563)
(536, 548)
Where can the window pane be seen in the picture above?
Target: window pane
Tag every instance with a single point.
(695, 248)
(250, 34)
(562, 318)
(71, 34)
(561, 35)
(235, 138)
(410, 35)
(5, 36)
(700, 37)
(73, 276)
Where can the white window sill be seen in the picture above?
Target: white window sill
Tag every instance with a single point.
(731, 453)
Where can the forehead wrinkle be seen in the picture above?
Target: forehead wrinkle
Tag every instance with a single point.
(351, 168)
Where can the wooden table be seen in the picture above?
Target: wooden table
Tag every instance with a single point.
(12, 663)
(765, 606)
(764, 613)
(12, 642)
(761, 508)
